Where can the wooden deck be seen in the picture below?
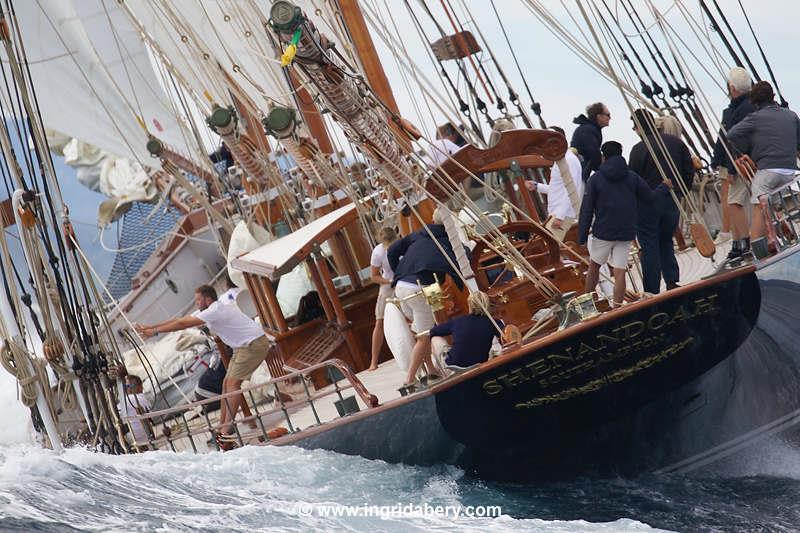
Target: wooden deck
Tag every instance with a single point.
(383, 383)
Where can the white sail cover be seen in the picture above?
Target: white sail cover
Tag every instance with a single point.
(93, 76)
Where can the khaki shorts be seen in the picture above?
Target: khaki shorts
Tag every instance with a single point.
(246, 358)
(385, 291)
(738, 192)
(614, 252)
(416, 308)
(559, 234)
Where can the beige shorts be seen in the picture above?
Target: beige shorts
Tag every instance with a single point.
(613, 252)
(559, 234)
(766, 181)
(246, 358)
(385, 291)
(738, 192)
(416, 308)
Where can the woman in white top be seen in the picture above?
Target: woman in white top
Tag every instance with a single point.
(382, 275)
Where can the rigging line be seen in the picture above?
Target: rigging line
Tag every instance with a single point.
(572, 43)
(652, 41)
(645, 139)
(693, 117)
(721, 35)
(480, 104)
(404, 76)
(705, 136)
(784, 103)
(673, 91)
(535, 106)
(638, 33)
(430, 93)
(90, 85)
(649, 91)
(714, 53)
(463, 106)
(69, 297)
(513, 96)
(736, 40)
(122, 59)
(471, 59)
(18, 114)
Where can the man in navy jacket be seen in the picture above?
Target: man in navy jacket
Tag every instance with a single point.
(588, 136)
(610, 203)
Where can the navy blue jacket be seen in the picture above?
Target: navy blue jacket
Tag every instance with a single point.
(739, 108)
(612, 197)
(417, 257)
(587, 139)
(472, 338)
(641, 162)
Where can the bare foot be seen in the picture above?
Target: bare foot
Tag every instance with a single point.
(372, 367)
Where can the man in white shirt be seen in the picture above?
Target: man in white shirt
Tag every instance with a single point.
(561, 213)
(237, 330)
(382, 274)
(135, 403)
(448, 141)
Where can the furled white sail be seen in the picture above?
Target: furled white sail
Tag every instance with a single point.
(93, 76)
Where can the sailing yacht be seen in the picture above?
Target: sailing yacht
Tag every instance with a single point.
(146, 90)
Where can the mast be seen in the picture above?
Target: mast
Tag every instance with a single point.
(371, 64)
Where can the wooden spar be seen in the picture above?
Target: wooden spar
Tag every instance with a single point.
(158, 149)
(371, 64)
(218, 217)
(311, 115)
(338, 309)
(255, 291)
(274, 306)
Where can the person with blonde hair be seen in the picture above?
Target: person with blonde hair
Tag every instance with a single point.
(669, 125)
(382, 274)
(472, 334)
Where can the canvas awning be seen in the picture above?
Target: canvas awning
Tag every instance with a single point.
(280, 256)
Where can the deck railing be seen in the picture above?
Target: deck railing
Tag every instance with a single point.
(282, 402)
(782, 217)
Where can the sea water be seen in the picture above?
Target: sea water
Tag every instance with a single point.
(291, 489)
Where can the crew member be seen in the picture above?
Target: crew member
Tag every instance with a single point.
(609, 208)
(771, 137)
(588, 136)
(448, 141)
(656, 225)
(419, 259)
(561, 214)
(734, 189)
(135, 403)
(382, 274)
(472, 334)
(243, 334)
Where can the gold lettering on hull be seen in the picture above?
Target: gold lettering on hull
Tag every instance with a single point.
(604, 348)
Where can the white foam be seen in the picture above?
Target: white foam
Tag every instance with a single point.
(255, 488)
(15, 416)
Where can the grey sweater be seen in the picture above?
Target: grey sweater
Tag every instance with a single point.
(770, 135)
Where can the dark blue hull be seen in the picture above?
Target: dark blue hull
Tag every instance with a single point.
(644, 389)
